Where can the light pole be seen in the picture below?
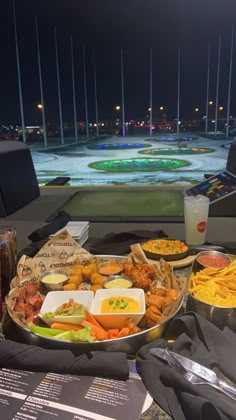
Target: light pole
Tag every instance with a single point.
(19, 77)
(85, 93)
(149, 120)
(210, 113)
(150, 115)
(217, 84)
(122, 92)
(58, 87)
(220, 109)
(207, 87)
(40, 84)
(230, 81)
(118, 119)
(95, 92)
(73, 88)
(178, 93)
(40, 107)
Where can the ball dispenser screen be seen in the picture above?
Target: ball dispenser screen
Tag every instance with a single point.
(216, 187)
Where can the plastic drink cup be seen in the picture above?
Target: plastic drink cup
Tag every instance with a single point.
(7, 257)
(196, 209)
(0, 296)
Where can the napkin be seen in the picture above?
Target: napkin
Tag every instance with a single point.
(59, 221)
(203, 342)
(14, 355)
(119, 243)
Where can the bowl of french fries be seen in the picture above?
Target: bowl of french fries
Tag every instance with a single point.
(212, 294)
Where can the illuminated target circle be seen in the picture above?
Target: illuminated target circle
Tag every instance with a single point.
(139, 165)
(118, 146)
(171, 139)
(177, 151)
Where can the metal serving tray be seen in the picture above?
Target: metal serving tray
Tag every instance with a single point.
(129, 345)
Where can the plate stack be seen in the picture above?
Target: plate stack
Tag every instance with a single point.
(78, 231)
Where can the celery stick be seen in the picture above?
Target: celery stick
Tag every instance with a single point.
(44, 331)
(76, 336)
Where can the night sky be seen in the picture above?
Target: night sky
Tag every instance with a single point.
(106, 26)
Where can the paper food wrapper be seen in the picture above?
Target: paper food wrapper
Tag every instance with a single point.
(165, 278)
(62, 252)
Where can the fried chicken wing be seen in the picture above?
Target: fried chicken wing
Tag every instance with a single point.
(141, 280)
(139, 274)
(158, 291)
(148, 269)
(172, 294)
(154, 300)
(151, 317)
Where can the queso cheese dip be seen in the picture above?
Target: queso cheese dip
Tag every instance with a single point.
(54, 278)
(119, 304)
(118, 283)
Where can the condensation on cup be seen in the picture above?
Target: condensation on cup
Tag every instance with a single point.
(196, 209)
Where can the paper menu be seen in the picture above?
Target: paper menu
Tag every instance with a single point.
(44, 396)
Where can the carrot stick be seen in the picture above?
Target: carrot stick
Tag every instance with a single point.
(66, 327)
(98, 332)
(113, 333)
(90, 318)
(123, 332)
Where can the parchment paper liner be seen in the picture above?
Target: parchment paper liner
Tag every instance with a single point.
(63, 252)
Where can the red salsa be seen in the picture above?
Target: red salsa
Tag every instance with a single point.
(215, 261)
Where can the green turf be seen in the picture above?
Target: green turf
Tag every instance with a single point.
(125, 203)
(177, 151)
(139, 165)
